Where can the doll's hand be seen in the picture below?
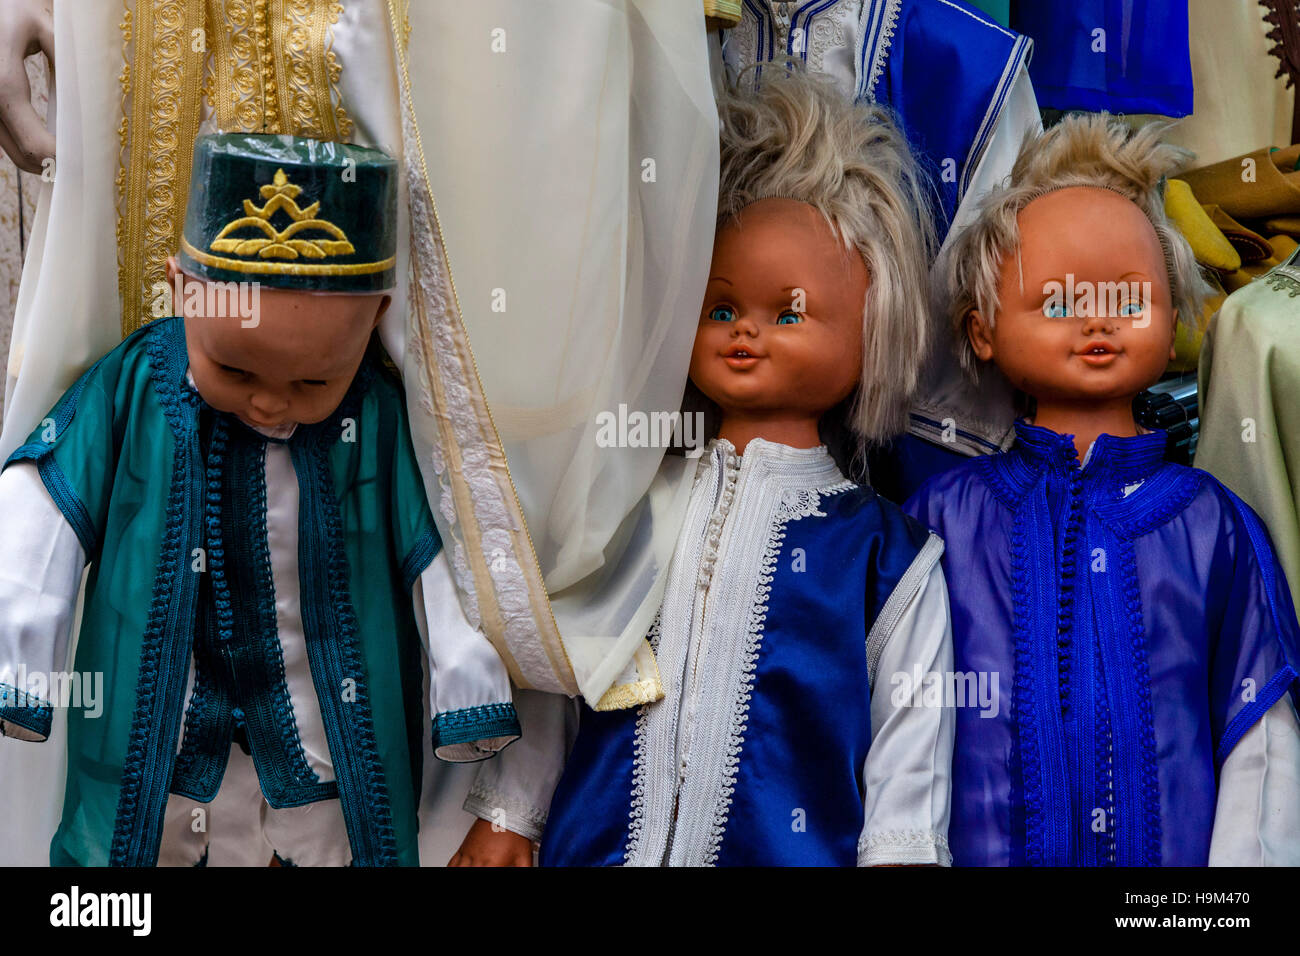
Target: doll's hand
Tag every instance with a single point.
(484, 846)
(26, 27)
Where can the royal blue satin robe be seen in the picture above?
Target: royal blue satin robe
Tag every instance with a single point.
(1140, 625)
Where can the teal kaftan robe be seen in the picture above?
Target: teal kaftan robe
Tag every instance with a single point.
(168, 500)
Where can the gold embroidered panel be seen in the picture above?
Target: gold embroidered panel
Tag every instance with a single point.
(273, 68)
(262, 65)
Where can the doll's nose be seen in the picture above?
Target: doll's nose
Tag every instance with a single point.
(267, 403)
(1099, 321)
(744, 326)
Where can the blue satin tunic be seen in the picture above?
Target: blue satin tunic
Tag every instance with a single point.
(1138, 616)
(774, 699)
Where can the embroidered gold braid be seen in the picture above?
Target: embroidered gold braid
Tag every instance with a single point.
(274, 70)
(161, 93)
(720, 14)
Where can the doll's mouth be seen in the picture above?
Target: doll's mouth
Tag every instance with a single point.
(739, 357)
(249, 420)
(1098, 353)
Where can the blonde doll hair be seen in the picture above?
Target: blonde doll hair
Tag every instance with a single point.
(798, 137)
(1085, 150)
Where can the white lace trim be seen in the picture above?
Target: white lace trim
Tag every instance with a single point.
(877, 35)
(795, 504)
(915, 847)
(636, 813)
(892, 611)
(517, 816)
(441, 336)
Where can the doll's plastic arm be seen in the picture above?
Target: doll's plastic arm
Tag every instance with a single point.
(514, 791)
(469, 688)
(41, 562)
(908, 768)
(1257, 817)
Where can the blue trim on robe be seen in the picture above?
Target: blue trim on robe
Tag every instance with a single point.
(946, 70)
(239, 664)
(420, 557)
(474, 723)
(808, 726)
(943, 68)
(28, 711)
(1140, 621)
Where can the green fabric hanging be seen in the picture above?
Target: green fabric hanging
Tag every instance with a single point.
(999, 10)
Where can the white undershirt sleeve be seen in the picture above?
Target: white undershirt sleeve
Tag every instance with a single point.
(514, 791)
(469, 688)
(908, 771)
(41, 561)
(1257, 818)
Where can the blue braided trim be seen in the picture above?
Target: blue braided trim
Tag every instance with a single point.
(420, 557)
(359, 771)
(61, 492)
(1066, 568)
(1165, 494)
(165, 646)
(26, 710)
(63, 412)
(286, 722)
(1023, 716)
(474, 723)
(195, 774)
(215, 541)
(1104, 751)
(329, 616)
(1148, 830)
(1268, 696)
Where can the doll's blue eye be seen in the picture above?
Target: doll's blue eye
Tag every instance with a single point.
(1132, 308)
(1056, 310)
(722, 313)
(789, 318)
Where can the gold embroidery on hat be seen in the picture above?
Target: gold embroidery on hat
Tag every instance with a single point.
(277, 243)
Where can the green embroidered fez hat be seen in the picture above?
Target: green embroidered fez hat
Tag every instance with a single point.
(291, 213)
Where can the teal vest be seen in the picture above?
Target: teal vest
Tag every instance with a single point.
(157, 485)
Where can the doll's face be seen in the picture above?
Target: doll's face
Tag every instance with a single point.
(294, 366)
(1115, 336)
(780, 332)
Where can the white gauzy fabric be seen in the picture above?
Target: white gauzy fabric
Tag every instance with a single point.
(572, 147)
(908, 771)
(68, 313)
(1257, 817)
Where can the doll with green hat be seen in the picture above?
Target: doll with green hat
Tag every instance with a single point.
(268, 608)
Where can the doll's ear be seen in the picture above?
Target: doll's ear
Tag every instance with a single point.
(384, 303)
(1173, 338)
(980, 335)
